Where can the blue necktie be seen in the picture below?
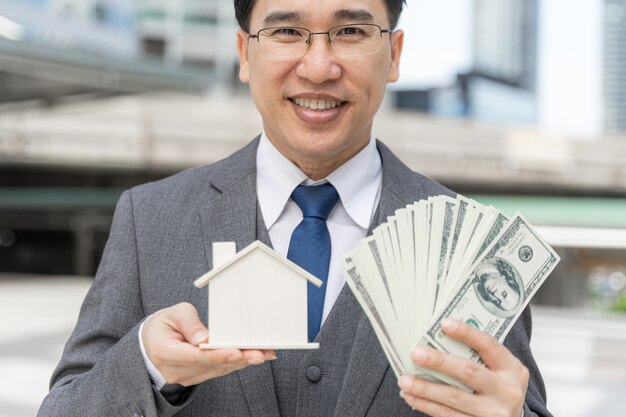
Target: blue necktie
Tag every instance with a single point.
(310, 244)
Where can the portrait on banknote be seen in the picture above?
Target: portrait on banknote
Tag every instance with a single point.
(499, 287)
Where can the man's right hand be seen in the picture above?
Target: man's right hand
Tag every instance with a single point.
(171, 337)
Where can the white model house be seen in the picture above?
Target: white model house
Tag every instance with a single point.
(257, 299)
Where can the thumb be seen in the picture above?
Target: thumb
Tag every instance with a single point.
(189, 324)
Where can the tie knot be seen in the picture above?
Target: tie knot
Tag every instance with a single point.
(315, 201)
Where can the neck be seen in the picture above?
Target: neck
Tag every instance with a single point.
(317, 170)
(319, 165)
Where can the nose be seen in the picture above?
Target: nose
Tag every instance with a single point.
(319, 64)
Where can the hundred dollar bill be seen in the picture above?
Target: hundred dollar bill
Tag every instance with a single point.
(372, 246)
(494, 229)
(462, 204)
(494, 222)
(471, 217)
(449, 214)
(497, 288)
(397, 354)
(354, 281)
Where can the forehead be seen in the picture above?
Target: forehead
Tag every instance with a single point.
(495, 278)
(267, 12)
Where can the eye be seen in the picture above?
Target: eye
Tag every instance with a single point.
(285, 33)
(350, 31)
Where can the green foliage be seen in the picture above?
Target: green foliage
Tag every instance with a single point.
(620, 305)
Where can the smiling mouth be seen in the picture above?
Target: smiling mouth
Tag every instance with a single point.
(319, 105)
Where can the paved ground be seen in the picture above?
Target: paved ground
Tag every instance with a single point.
(582, 356)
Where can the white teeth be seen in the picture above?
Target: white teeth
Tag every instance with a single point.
(316, 104)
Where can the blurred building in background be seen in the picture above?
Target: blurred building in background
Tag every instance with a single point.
(51, 49)
(502, 85)
(505, 41)
(191, 32)
(615, 66)
(104, 27)
(532, 66)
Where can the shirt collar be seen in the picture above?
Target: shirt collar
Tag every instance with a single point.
(357, 182)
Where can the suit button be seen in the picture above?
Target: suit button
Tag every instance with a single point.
(314, 373)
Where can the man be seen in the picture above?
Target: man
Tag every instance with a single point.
(317, 90)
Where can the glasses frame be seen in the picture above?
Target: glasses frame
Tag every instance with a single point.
(327, 33)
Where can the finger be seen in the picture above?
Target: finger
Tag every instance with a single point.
(184, 318)
(185, 354)
(196, 373)
(432, 408)
(446, 395)
(492, 352)
(468, 372)
(254, 357)
(269, 355)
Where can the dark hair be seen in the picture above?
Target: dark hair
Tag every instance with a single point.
(243, 10)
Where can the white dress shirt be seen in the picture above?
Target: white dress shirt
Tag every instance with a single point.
(358, 183)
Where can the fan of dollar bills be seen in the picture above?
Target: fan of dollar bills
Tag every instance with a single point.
(445, 257)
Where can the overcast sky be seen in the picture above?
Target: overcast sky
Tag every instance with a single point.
(438, 42)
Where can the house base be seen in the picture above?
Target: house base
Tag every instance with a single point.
(261, 347)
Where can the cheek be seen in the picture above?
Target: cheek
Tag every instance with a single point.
(372, 78)
(268, 78)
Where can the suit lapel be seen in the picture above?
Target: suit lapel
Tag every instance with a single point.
(232, 217)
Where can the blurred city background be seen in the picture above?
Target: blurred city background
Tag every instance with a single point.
(517, 103)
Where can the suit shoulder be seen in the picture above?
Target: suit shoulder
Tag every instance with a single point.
(431, 186)
(405, 182)
(195, 183)
(186, 182)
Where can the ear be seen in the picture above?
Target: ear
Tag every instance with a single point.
(397, 42)
(242, 48)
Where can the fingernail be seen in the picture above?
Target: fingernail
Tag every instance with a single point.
(270, 356)
(419, 354)
(405, 382)
(448, 325)
(402, 394)
(198, 337)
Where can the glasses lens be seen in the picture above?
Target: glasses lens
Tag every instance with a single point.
(346, 41)
(356, 40)
(284, 41)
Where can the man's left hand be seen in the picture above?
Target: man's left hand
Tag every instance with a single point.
(500, 385)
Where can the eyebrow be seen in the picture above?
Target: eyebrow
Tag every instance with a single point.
(359, 15)
(288, 16)
(281, 16)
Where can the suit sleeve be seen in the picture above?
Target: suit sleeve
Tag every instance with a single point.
(518, 342)
(101, 372)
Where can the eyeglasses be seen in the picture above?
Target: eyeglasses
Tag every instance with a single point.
(345, 40)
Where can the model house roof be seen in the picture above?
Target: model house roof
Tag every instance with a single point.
(257, 246)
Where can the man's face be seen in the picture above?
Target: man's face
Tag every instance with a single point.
(318, 141)
(505, 296)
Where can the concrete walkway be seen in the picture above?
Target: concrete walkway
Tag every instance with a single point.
(582, 356)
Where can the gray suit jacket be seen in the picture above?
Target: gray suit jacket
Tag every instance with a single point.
(160, 242)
